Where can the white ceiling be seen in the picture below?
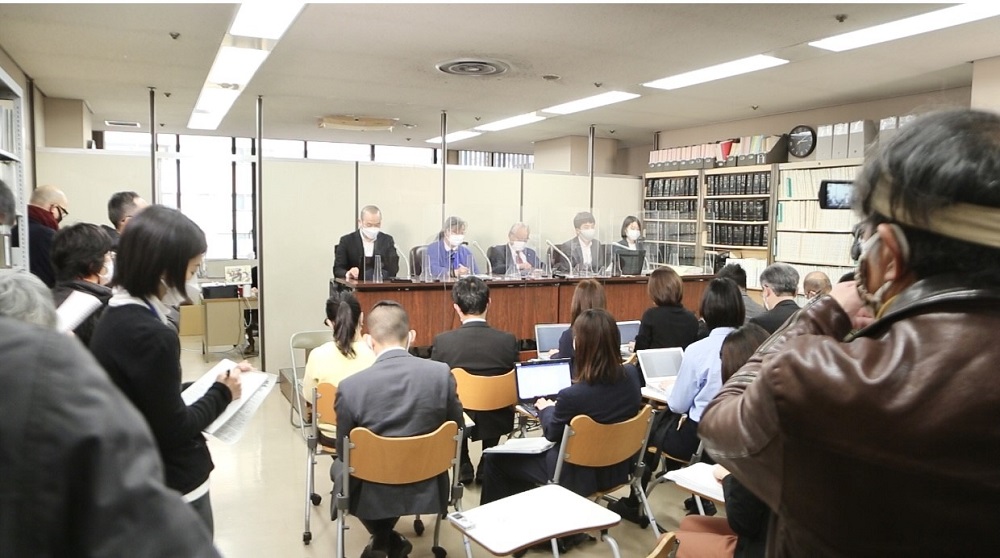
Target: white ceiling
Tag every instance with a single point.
(379, 60)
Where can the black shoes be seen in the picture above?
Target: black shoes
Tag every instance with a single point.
(692, 507)
(397, 546)
(628, 508)
(466, 474)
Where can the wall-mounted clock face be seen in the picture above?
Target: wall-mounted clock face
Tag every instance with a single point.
(801, 141)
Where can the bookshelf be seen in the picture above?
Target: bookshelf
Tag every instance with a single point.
(11, 168)
(672, 218)
(806, 237)
(736, 207)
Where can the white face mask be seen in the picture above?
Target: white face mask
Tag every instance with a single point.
(518, 245)
(175, 297)
(456, 240)
(109, 272)
(370, 232)
(633, 234)
(588, 234)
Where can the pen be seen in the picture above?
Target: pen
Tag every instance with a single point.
(228, 372)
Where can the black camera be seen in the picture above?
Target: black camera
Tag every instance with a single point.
(836, 194)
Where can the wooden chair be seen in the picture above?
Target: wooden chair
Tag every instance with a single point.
(304, 341)
(378, 459)
(485, 393)
(587, 443)
(666, 547)
(318, 444)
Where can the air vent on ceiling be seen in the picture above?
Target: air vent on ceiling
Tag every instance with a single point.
(121, 124)
(357, 123)
(473, 67)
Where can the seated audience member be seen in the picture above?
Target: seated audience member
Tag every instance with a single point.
(604, 390)
(81, 475)
(816, 284)
(587, 294)
(398, 396)
(699, 379)
(668, 324)
(904, 410)
(25, 298)
(345, 355)
(354, 257)
(743, 532)
(448, 256)
(584, 250)
(778, 283)
(515, 254)
(738, 275)
(81, 256)
(121, 208)
(481, 350)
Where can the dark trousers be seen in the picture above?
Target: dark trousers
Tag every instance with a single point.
(487, 443)
(203, 506)
(380, 528)
(678, 442)
(509, 474)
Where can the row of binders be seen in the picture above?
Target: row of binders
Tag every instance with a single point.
(671, 209)
(738, 235)
(807, 215)
(807, 248)
(664, 187)
(803, 184)
(751, 183)
(747, 150)
(671, 254)
(736, 210)
(671, 232)
(8, 127)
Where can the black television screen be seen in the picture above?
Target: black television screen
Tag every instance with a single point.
(630, 261)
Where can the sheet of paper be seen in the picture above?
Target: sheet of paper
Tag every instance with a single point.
(229, 426)
(522, 445)
(76, 308)
(698, 478)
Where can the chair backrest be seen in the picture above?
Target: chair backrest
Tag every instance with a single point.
(664, 546)
(590, 444)
(323, 409)
(375, 458)
(307, 341)
(547, 336)
(485, 393)
(417, 260)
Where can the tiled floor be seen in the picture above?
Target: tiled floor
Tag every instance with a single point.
(258, 484)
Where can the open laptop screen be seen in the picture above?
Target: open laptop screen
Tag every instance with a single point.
(542, 378)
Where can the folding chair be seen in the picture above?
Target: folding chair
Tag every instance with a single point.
(485, 393)
(318, 444)
(373, 458)
(587, 443)
(306, 341)
(666, 547)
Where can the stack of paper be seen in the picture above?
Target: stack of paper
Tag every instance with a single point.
(231, 424)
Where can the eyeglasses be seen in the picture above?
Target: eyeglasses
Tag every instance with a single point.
(62, 210)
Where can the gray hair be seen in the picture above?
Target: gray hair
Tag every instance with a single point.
(369, 209)
(8, 209)
(518, 226)
(782, 278)
(25, 297)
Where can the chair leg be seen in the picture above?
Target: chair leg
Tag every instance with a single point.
(341, 528)
(612, 543)
(649, 513)
(310, 471)
(701, 507)
(555, 548)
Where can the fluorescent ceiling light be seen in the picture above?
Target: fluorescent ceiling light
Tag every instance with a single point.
(719, 71)
(205, 120)
(514, 121)
(609, 98)
(264, 20)
(932, 21)
(236, 65)
(212, 105)
(455, 136)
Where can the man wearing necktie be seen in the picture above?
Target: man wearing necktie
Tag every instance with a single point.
(515, 254)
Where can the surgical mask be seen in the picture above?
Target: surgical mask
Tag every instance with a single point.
(109, 272)
(588, 234)
(518, 245)
(370, 232)
(456, 240)
(633, 234)
(875, 301)
(175, 297)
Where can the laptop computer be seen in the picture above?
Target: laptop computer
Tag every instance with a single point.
(659, 366)
(540, 378)
(627, 330)
(547, 337)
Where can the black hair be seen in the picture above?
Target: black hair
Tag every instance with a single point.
(628, 221)
(722, 304)
(942, 158)
(735, 273)
(583, 218)
(120, 205)
(78, 251)
(388, 322)
(344, 312)
(158, 243)
(471, 294)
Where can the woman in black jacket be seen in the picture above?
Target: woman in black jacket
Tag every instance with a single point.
(668, 324)
(158, 254)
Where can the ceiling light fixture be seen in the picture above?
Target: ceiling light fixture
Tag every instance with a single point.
(122, 124)
(264, 20)
(587, 103)
(923, 23)
(718, 71)
(236, 65)
(512, 122)
(456, 136)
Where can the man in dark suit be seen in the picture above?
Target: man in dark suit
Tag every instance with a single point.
(584, 250)
(480, 350)
(398, 396)
(355, 253)
(515, 254)
(779, 282)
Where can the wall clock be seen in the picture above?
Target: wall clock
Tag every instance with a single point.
(802, 141)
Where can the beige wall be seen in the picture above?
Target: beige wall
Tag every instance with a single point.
(89, 178)
(571, 154)
(67, 123)
(986, 84)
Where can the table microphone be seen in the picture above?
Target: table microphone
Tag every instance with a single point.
(409, 270)
(489, 266)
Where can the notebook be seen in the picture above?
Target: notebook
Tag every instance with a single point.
(544, 378)
(659, 366)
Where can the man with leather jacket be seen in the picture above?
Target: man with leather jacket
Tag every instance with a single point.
(883, 442)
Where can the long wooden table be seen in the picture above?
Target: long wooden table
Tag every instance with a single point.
(515, 306)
